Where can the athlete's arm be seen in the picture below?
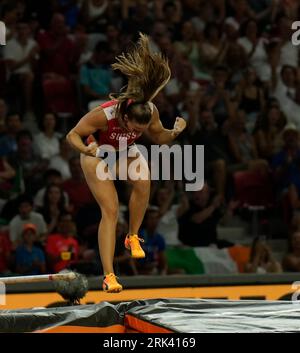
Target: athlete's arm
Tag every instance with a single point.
(159, 134)
(87, 125)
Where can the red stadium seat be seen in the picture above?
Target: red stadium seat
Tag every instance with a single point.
(253, 189)
(255, 193)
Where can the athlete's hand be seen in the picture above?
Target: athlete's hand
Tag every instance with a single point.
(91, 149)
(179, 126)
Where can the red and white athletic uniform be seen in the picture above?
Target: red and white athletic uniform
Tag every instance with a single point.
(115, 133)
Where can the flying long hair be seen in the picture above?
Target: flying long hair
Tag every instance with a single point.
(147, 74)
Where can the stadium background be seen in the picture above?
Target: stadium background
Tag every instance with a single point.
(235, 79)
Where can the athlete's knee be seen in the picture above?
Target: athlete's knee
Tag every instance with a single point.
(110, 211)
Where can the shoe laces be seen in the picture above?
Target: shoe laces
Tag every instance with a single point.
(135, 241)
(111, 276)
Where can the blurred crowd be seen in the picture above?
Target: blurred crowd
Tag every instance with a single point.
(236, 81)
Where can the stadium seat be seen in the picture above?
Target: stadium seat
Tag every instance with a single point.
(255, 193)
(253, 189)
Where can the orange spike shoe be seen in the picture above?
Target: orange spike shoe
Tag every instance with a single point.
(132, 243)
(110, 284)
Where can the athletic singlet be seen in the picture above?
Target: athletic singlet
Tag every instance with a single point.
(115, 133)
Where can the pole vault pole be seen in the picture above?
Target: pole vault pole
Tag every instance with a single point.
(39, 278)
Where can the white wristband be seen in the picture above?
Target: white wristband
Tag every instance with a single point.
(98, 152)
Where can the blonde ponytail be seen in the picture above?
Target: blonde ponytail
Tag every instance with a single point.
(147, 74)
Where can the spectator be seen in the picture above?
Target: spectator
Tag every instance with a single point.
(285, 162)
(57, 50)
(30, 260)
(138, 20)
(250, 97)
(171, 15)
(291, 261)
(58, 63)
(94, 15)
(235, 58)
(158, 30)
(189, 47)
(154, 245)
(47, 141)
(169, 212)
(198, 226)
(20, 54)
(219, 10)
(82, 51)
(241, 10)
(114, 39)
(32, 165)
(8, 141)
(70, 9)
(231, 29)
(51, 177)
(213, 47)
(76, 187)
(264, 10)
(262, 259)
(62, 248)
(167, 48)
(10, 17)
(268, 135)
(255, 48)
(218, 95)
(290, 9)
(61, 160)
(182, 85)
(288, 52)
(7, 173)
(54, 204)
(96, 75)
(285, 90)
(205, 132)
(243, 148)
(26, 215)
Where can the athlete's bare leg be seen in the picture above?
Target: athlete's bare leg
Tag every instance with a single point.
(106, 196)
(139, 198)
(138, 203)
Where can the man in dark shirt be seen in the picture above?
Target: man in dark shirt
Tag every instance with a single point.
(205, 132)
(198, 226)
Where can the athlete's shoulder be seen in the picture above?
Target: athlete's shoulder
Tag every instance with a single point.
(109, 109)
(108, 104)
